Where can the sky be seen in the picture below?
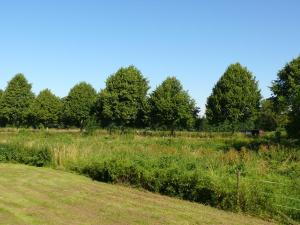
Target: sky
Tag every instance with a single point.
(58, 43)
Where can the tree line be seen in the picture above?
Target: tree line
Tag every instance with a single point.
(235, 103)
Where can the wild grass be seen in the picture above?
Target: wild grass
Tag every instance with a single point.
(199, 167)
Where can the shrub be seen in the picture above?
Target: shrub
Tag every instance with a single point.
(35, 157)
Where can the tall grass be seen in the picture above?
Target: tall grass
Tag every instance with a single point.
(199, 167)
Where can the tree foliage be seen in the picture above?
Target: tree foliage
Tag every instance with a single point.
(46, 109)
(172, 107)
(268, 120)
(235, 103)
(2, 120)
(124, 99)
(286, 95)
(293, 126)
(285, 87)
(15, 101)
(235, 99)
(79, 104)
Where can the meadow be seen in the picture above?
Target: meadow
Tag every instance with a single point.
(199, 167)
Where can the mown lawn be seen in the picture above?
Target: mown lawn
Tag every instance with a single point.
(30, 195)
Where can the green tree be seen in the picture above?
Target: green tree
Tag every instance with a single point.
(235, 99)
(285, 87)
(172, 107)
(293, 126)
(79, 105)
(268, 119)
(286, 91)
(123, 102)
(46, 109)
(2, 121)
(16, 100)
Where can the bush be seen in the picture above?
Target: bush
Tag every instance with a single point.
(30, 156)
(165, 175)
(90, 126)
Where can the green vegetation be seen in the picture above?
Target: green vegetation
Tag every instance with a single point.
(201, 169)
(125, 103)
(286, 84)
(78, 105)
(15, 102)
(255, 175)
(172, 107)
(268, 119)
(46, 110)
(235, 99)
(30, 156)
(286, 91)
(124, 100)
(46, 196)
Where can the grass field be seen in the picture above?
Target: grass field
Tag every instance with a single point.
(30, 195)
(200, 167)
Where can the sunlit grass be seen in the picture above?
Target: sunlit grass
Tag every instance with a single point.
(44, 196)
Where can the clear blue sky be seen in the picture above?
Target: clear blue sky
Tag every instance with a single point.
(59, 43)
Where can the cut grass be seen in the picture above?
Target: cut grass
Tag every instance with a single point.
(30, 195)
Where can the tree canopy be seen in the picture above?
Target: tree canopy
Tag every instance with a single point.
(15, 101)
(235, 103)
(46, 109)
(79, 104)
(172, 107)
(268, 119)
(235, 99)
(286, 95)
(285, 87)
(124, 99)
